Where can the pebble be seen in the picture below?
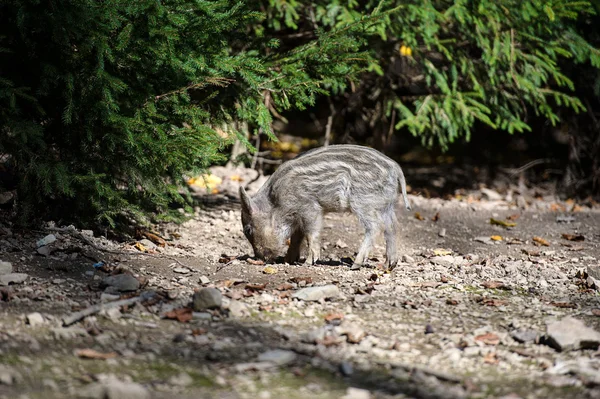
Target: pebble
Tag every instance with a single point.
(122, 282)
(278, 357)
(114, 389)
(49, 239)
(5, 267)
(408, 259)
(356, 393)
(181, 270)
(8, 376)
(35, 319)
(524, 336)
(207, 298)
(204, 280)
(181, 379)
(13, 278)
(346, 369)
(429, 329)
(571, 334)
(442, 233)
(317, 293)
(238, 309)
(341, 244)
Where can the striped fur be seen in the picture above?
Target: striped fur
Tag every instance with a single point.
(327, 179)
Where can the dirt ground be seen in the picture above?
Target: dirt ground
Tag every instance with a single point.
(448, 322)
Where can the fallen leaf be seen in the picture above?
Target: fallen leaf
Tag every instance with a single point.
(436, 217)
(93, 354)
(531, 252)
(198, 331)
(256, 287)
(332, 318)
(418, 216)
(573, 237)
(182, 315)
(155, 238)
(441, 252)
(564, 305)
(488, 339)
(429, 284)
(298, 280)
(541, 241)
(493, 284)
(513, 217)
(496, 238)
(491, 358)
(501, 223)
(140, 247)
(236, 178)
(284, 287)
(256, 262)
(493, 302)
(265, 308)
(451, 301)
(577, 208)
(330, 340)
(269, 270)
(596, 312)
(444, 279)
(226, 259)
(557, 208)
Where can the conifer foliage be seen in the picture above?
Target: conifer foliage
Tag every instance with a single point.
(105, 105)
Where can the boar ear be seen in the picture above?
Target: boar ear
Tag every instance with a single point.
(247, 205)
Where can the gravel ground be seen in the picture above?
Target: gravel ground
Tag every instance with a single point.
(474, 310)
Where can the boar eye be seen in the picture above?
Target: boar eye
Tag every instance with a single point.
(248, 231)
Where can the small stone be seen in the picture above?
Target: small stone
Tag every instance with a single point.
(12, 278)
(207, 298)
(490, 194)
(442, 233)
(49, 239)
(429, 329)
(181, 270)
(594, 272)
(58, 281)
(317, 293)
(8, 376)
(5, 267)
(356, 393)
(346, 369)
(114, 389)
(44, 251)
(238, 309)
(353, 332)
(35, 319)
(122, 282)
(278, 357)
(408, 259)
(68, 333)
(571, 334)
(485, 240)
(50, 384)
(524, 336)
(112, 313)
(341, 244)
(106, 297)
(181, 379)
(204, 280)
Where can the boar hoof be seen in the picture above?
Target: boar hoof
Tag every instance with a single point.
(355, 266)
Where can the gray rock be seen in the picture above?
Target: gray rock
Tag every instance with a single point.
(594, 272)
(207, 298)
(341, 244)
(317, 293)
(204, 280)
(182, 380)
(279, 357)
(490, 194)
(107, 297)
(181, 270)
(346, 369)
(114, 389)
(442, 233)
(485, 240)
(353, 332)
(44, 251)
(122, 282)
(524, 336)
(49, 239)
(35, 319)
(571, 334)
(12, 278)
(356, 393)
(5, 267)
(408, 259)
(238, 309)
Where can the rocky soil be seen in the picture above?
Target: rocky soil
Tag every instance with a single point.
(496, 297)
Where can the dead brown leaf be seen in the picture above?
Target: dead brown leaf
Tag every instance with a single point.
(451, 302)
(94, 354)
(436, 217)
(493, 302)
(182, 315)
(330, 340)
(155, 238)
(596, 312)
(256, 262)
(265, 308)
(493, 284)
(226, 259)
(531, 252)
(573, 237)
(564, 305)
(557, 208)
(488, 339)
(255, 287)
(418, 216)
(491, 358)
(284, 287)
(513, 217)
(298, 280)
(541, 241)
(198, 331)
(332, 318)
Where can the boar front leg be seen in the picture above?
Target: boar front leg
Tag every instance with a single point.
(312, 232)
(293, 253)
(390, 222)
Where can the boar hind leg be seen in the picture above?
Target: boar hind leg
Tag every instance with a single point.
(312, 232)
(371, 228)
(293, 253)
(390, 223)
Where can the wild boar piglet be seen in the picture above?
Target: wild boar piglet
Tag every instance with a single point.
(337, 178)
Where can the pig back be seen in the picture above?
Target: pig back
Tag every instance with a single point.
(334, 178)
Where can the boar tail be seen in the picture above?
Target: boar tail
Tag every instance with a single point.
(403, 188)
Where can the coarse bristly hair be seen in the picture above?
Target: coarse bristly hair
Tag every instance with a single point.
(328, 179)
